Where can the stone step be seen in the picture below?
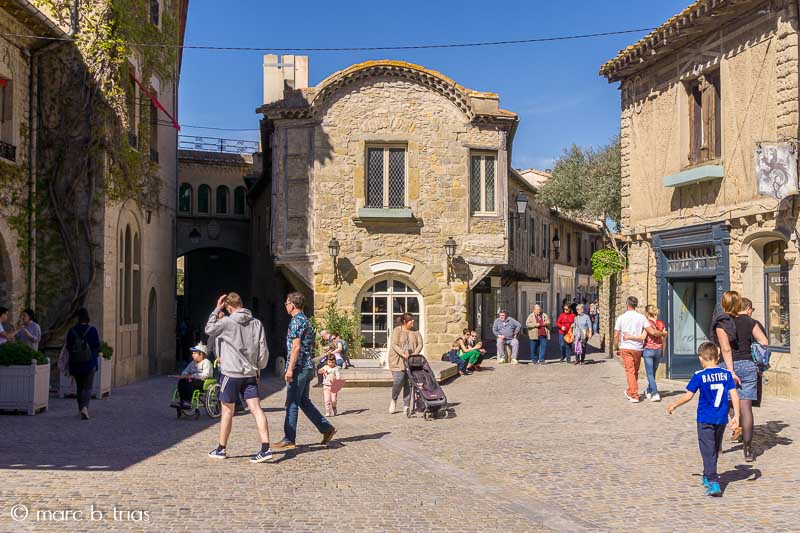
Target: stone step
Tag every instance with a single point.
(361, 376)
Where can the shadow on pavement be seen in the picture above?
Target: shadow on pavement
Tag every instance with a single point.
(133, 424)
(741, 473)
(335, 443)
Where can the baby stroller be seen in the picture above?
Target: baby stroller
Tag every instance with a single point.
(427, 397)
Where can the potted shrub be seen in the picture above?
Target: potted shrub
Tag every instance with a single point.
(24, 378)
(102, 378)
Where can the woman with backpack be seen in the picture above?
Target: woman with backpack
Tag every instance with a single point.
(83, 344)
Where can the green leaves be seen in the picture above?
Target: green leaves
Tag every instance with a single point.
(346, 324)
(17, 353)
(606, 262)
(586, 182)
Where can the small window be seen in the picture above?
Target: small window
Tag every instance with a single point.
(153, 127)
(204, 199)
(222, 200)
(482, 184)
(557, 250)
(155, 12)
(545, 240)
(511, 231)
(569, 247)
(131, 97)
(705, 118)
(386, 177)
(238, 201)
(533, 235)
(185, 198)
(8, 149)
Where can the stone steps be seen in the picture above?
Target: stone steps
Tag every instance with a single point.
(375, 376)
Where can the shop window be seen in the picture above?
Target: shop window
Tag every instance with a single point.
(776, 285)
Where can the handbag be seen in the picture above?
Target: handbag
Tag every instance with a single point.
(760, 355)
(569, 337)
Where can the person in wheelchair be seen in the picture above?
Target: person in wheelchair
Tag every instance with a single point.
(194, 375)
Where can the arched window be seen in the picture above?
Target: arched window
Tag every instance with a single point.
(776, 293)
(222, 200)
(185, 198)
(130, 278)
(204, 199)
(381, 306)
(238, 201)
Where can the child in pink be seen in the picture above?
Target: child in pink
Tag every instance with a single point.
(331, 384)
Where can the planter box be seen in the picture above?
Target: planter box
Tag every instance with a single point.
(101, 385)
(25, 388)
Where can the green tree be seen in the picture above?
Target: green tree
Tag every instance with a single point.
(586, 183)
(346, 324)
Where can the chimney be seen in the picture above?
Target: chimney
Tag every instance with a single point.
(290, 72)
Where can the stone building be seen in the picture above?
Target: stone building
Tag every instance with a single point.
(700, 96)
(390, 160)
(16, 115)
(213, 230)
(125, 266)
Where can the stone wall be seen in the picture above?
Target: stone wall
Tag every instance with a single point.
(319, 165)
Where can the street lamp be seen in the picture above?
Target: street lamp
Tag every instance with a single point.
(522, 203)
(450, 250)
(333, 251)
(194, 236)
(556, 244)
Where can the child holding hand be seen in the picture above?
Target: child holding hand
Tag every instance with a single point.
(714, 384)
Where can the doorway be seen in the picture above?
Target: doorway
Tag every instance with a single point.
(152, 333)
(691, 305)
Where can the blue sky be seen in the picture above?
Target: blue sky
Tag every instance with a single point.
(554, 87)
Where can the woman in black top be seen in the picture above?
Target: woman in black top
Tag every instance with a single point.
(735, 333)
(82, 366)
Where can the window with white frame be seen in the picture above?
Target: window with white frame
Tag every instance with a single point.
(541, 300)
(386, 176)
(482, 183)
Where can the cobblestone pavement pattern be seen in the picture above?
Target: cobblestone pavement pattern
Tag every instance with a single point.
(526, 449)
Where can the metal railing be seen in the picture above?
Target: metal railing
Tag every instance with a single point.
(217, 144)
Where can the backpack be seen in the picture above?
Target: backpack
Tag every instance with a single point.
(81, 352)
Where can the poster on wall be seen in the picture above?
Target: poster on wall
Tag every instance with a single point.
(776, 170)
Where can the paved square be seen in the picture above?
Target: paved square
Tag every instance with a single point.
(527, 449)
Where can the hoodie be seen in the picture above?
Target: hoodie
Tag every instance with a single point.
(241, 343)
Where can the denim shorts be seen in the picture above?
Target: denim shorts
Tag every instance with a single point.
(747, 372)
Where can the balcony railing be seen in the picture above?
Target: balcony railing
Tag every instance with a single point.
(8, 151)
(216, 144)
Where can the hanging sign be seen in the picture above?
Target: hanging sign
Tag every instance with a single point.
(776, 170)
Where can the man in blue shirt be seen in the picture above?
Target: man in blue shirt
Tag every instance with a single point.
(714, 384)
(298, 373)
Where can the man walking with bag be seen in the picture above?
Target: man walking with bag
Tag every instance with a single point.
(242, 354)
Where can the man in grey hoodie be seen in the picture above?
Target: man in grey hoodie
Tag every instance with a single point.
(242, 354)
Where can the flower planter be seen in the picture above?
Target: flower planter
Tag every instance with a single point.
(101, 385)
(25, 388)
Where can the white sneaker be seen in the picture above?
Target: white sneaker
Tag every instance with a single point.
(514, 362)
(85, 413)
(648, 395)
(655, 398)
(631, 398)
(392, 407)
(501, 361)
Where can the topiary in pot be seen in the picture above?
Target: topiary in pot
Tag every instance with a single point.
(17, 353)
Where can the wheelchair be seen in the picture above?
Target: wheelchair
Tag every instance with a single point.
(208, 397)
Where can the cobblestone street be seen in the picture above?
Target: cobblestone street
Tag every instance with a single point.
(525, 449)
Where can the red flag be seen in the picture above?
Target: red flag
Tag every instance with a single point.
(156, 103)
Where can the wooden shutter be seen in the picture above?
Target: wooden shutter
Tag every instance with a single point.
(695, 123)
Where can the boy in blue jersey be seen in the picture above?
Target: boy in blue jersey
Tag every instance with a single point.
(714, 384)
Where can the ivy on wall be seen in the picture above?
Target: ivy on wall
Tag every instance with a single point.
(85, 161)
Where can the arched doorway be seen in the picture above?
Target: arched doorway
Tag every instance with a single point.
(381, 304)
(152, 332)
